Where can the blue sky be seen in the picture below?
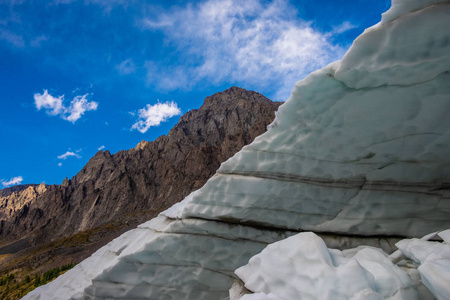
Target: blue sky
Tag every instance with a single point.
(77, 76)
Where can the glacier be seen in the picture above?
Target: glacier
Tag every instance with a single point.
(336, 200)
(360, 147)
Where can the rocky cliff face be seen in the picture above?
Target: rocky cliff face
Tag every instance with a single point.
(134, 185)
(13, 199)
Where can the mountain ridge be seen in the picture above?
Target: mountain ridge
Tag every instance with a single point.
(115, 192)
(223, 124)
(13, 199)
(16, 188)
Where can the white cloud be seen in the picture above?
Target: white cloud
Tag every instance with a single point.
(126, 67)
(263, 44)
(77, 108)
(343, 27)
(12, 181)
(55, 106)
(68, 154)
(12, 38)
(101, 147)
(36, 42)
(153, 115)
(60, 164)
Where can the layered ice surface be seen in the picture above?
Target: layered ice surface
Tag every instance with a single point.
(359, 153)
(171, 257)
(360, 147)
(165, 258)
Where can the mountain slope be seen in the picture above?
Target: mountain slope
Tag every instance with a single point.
(134, 185)
(114, 193)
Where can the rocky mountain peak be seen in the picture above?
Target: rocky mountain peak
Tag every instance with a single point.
(234, 94)
(141, 145)
(41, 188)
(17, 188)
(65, 182)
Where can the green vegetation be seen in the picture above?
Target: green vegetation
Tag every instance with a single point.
(13, 288)
(18, 276)
(50, 274)
(7, 279)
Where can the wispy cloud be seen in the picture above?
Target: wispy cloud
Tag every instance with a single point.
(126, 67)
(68, 154)
(12, 38)
(101, 147)
(345, 26)
(153, 115)
(36, 42)
(254, 42)
(54, 106)
(12, 181)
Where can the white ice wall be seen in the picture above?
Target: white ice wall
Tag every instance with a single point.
(360, 147)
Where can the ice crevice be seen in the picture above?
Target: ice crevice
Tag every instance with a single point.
(371, 88)
(405, 136)
(345, 205)
(357, 182)
(353, 182)
(358, 159)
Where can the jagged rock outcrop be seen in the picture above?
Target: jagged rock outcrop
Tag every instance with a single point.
(135, 185)
(17, 197)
